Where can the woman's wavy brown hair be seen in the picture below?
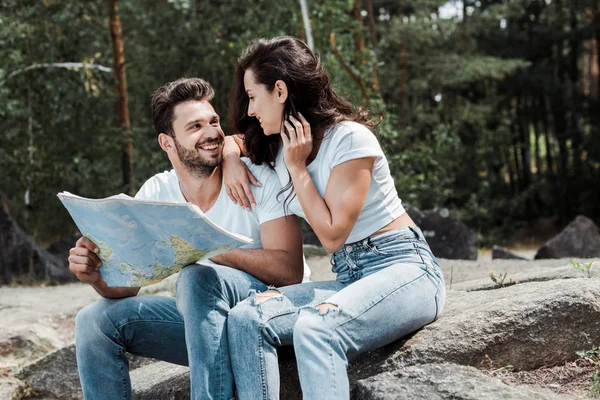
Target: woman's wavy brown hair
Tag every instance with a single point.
(309, 92)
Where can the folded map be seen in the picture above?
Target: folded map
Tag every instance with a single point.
(141, 242)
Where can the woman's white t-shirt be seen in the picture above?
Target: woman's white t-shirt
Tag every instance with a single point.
(343, 142)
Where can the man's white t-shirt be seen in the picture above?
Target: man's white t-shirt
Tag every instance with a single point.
(226, 213)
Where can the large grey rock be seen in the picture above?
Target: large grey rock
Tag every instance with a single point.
(514, 326)
(161, 381)
(447, 236)
(500, 253)
(527, 326)
(441, 382)
(56, 374)
(579, 239)
(20, 255)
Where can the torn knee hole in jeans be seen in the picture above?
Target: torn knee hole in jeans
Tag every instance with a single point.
(260, 298)
(325, 308)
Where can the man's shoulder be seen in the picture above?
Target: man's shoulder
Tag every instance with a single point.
(158, 185)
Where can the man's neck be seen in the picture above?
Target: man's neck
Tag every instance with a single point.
(202, 191)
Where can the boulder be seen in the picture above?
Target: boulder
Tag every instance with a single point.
(489, 329)
(500, 253)
(447, 236)
(161, 381)
(21, 256)
(441, 382)
(579, 239)
(56, 374)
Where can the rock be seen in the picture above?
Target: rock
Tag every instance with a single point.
(500, 253)
(447, 236)
(514, 326)
(440, 382)
(21, 256)
(56, 374)
(579, 239)
(161, 381)
(528, 325)
(565, 272)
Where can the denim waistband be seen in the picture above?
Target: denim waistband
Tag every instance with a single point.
(411, 232)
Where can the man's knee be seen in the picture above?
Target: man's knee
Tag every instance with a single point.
(93, 319)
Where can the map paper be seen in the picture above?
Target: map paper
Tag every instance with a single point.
(142, 242)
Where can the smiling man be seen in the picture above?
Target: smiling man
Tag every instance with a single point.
(191, 329)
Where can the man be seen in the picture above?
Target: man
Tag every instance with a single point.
(191, 329)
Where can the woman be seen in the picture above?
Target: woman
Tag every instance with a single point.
(388, 283)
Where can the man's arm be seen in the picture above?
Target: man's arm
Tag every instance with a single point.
(84, 263)
(280, 261)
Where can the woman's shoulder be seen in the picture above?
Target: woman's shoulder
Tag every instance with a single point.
(350, 134)
(346, 128)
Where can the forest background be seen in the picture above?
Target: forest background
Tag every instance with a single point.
(490, 107)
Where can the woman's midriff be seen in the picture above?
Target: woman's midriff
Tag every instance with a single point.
(400, 222)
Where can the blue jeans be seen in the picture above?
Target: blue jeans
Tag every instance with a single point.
(189, 330)
(387, 286)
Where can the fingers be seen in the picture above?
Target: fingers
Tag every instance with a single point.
(248, 195)
(87, 243)
(252, 179)
(82, 256)
(291, 131)
(305, 128)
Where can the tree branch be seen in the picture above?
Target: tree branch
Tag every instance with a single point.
(67, 65)
(355, 77)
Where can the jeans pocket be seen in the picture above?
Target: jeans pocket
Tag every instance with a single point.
(393, 248)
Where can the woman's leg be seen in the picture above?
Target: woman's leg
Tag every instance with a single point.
(258, 325)
(366, 314)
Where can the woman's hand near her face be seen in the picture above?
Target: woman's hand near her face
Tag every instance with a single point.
(237, 176)
(297, 142)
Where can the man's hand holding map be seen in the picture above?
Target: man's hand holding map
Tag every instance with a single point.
(142, 242)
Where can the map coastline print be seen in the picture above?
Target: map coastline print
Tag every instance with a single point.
(141, 242)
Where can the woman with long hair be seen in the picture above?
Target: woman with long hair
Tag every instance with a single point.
(335, 175)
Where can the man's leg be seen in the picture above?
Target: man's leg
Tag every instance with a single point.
(149, 326)
(205, 294)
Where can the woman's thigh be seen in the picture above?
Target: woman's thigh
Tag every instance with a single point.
(383, 306)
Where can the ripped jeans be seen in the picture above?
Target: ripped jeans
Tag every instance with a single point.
(387, 286)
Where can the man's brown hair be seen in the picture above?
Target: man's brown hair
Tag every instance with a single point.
(166, 97)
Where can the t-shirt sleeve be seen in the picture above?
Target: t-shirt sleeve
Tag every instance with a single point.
(350, 141)
(267, 205)
(148, 191)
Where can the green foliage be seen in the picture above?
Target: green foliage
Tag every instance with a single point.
(500, 280)
(467, 100)
(592, 356)
(585, 268)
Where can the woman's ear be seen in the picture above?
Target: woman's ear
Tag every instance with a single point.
(281, 90)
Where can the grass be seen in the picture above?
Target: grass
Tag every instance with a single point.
(585, 268)
(592, 356)
(500, 280)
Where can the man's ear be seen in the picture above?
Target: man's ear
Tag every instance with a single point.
(281, 90)
(165, 141)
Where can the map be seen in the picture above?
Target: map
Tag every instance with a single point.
(142, 242)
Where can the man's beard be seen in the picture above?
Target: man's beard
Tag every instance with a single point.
(193, 161)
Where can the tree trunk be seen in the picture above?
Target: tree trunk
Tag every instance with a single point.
(373, 36)
(122, 108)
(525, 145)
(359, 40)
